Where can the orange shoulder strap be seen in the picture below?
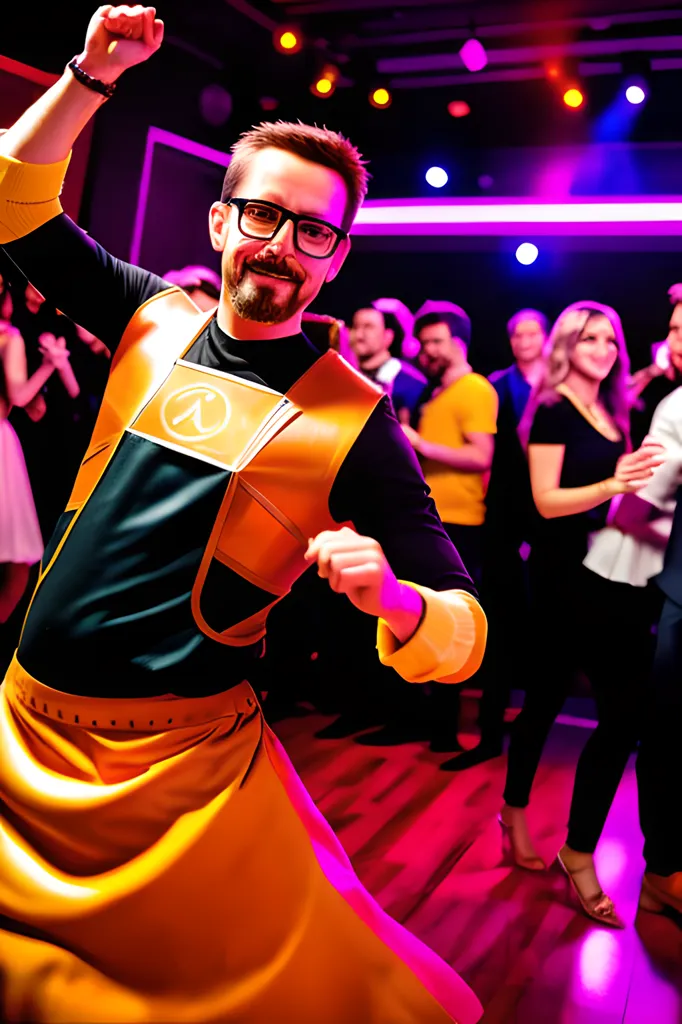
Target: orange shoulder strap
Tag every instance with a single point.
(160, 331)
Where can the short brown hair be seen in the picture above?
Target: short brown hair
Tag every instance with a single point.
(458, 323)
(319, 145)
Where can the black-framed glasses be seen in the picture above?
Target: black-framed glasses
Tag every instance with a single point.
(260, 219)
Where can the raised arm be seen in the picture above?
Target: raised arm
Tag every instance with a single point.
(76, 274)
(117, 38)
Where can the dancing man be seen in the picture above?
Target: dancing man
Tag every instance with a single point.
(159, 858)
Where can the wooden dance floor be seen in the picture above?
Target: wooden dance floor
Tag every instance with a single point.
(428, 846)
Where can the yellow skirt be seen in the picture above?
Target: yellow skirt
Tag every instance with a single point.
(161, 861)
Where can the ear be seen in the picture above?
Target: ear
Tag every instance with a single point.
(389, 335)
(218, 225)
(338, 260)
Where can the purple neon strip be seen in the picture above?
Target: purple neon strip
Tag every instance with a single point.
(162, 137)
(662, 216)
(531, 54)
(624, 215)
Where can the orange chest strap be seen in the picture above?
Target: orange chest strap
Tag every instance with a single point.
(283, 451)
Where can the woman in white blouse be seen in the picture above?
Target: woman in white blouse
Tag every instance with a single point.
(632, 550)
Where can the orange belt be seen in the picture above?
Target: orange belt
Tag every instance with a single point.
(128, 714)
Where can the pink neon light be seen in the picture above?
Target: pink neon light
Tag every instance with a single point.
(624, 215)
(158, 136)
(386, 217)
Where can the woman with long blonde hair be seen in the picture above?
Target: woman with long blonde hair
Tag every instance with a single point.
(577, 437)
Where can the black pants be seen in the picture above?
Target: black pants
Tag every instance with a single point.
(582, 620)
(505, 594)
(659, 763)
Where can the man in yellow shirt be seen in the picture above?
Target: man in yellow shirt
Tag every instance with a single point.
(455, 439)
(456, 428)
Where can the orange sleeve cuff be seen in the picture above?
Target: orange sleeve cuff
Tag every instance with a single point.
(29, 195)
(447, 647)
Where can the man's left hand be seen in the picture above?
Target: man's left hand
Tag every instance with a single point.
(356, 566)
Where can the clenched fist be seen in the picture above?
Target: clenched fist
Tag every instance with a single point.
(356, 566)
(118, 38)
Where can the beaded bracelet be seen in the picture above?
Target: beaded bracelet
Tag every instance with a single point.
(106, 89)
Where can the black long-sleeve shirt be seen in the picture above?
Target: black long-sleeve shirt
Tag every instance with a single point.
(113, 616)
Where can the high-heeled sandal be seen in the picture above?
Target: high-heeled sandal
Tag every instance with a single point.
(599, 907)
(655, 897)
(520, 859)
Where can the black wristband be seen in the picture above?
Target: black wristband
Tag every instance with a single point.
(106, 89)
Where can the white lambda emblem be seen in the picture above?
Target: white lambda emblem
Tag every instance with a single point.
(195, 413)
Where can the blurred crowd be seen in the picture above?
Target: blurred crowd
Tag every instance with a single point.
(555, 477)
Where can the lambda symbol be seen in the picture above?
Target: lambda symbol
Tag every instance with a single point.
(195, 413)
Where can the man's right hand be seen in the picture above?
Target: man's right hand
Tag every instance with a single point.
(118, 38)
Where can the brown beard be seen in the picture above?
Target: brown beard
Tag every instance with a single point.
(259, 302)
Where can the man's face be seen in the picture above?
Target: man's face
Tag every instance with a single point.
(271, 281)
(675, 337)
(438, 349)
(368, 335)
(527, 340)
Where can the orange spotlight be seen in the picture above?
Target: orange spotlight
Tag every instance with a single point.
(287, 40)
(380, 98)
(458, 108)
(323, 87)
(553, 71)
(573, 97)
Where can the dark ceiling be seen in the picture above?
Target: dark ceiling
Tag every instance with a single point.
(412, 47)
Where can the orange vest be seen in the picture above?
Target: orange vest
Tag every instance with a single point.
(283, 451)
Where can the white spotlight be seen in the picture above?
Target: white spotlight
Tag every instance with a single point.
(527, 253)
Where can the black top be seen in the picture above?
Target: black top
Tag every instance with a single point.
(113, 615)
(510, 511)
(589, 457)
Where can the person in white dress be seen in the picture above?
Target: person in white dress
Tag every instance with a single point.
(21, 544)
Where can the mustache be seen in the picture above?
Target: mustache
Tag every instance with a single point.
(277, 268)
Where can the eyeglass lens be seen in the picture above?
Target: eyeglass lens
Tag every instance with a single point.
(261, 221)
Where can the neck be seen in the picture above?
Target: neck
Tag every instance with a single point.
(375, 361)
(531, 370)
(584, 388)
(250, 330)
(454, 372)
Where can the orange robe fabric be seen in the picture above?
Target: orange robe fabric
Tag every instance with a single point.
(160, 861)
